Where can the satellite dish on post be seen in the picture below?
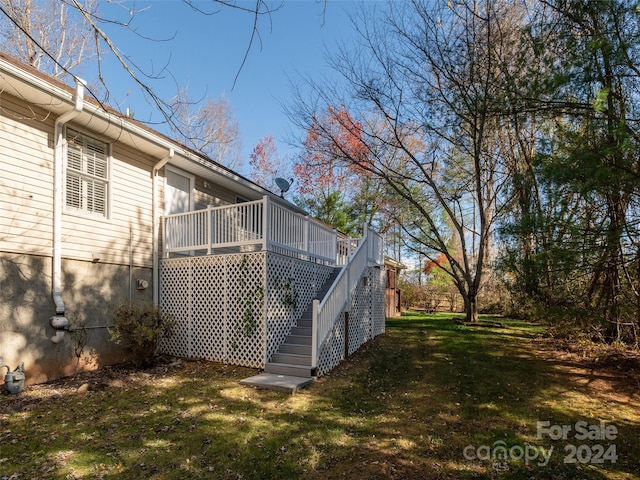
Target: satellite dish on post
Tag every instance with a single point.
(283, 185)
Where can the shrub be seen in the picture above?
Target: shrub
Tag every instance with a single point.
(138, 328)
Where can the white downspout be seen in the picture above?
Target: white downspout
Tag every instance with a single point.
(154, 213)
(59, 321)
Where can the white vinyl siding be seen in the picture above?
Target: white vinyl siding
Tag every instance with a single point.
(211, 194)
(26, 181)
(127, 235)
(87, 175)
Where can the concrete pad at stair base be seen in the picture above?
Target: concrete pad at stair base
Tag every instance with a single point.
(279, 383)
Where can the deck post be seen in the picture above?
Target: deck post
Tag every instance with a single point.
(305, 237)
(368, 244)
(314, 334)
(165, 248)
(208, 224)
(266, 220)
(334, 247)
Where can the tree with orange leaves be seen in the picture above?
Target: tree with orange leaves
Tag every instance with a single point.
(329, 181)
(425, 82)
(266, 164)
(331, 139)
(439, 262)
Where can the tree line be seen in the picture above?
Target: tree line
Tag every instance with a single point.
(497, 139)
(506, 136)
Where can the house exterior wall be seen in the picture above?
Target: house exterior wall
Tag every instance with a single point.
(127, 232)
(26, 306)
(26, 178)
(207, 193)
(102, 257)
(122, 243)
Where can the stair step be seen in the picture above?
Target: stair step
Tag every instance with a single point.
(294, 354)
(301, 331)
(288, 369)
(297, 349)
(291, 358)
(298, 340)
(278, 383)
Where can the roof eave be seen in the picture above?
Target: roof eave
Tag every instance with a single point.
(56, 97)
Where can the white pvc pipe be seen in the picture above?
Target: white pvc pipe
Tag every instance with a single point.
(154, 214)
(58, 202)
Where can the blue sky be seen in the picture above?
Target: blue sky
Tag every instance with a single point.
(206, 52)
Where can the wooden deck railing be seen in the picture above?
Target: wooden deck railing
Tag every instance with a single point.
(261, 224)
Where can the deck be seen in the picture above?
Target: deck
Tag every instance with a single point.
(243, 279)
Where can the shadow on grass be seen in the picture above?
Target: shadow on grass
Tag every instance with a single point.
(407, 405)
(486, 387)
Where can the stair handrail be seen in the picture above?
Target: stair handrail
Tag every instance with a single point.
(327, 311)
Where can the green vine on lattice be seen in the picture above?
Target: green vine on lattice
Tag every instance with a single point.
(290, 294)
(252, 304)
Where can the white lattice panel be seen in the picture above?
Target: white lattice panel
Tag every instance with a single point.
(360, 315)
(332, 352)
(291, 286)
(281, 295)
(238, 308)
(176, 292)
(218, 303)
(245, 309)
(209, 328)
(366, 320)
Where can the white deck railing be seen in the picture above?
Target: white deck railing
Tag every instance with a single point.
(346, 248)
(262, 224)
(368, 252)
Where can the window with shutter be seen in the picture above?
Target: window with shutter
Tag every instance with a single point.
(87, 182)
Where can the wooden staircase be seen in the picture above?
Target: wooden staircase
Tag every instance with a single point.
(293, 357)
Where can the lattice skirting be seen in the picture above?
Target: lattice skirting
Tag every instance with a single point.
(292, 284)
(218, 304)
(366, 321)
(235, 308)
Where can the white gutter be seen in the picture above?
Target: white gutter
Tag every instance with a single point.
(59, 321)
(154, 213)
(37, 89)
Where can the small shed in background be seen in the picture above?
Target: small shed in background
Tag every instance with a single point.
(392, 292)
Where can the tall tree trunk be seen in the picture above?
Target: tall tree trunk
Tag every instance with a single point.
(470, 307)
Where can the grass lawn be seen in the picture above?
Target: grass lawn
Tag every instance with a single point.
(430, 398)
